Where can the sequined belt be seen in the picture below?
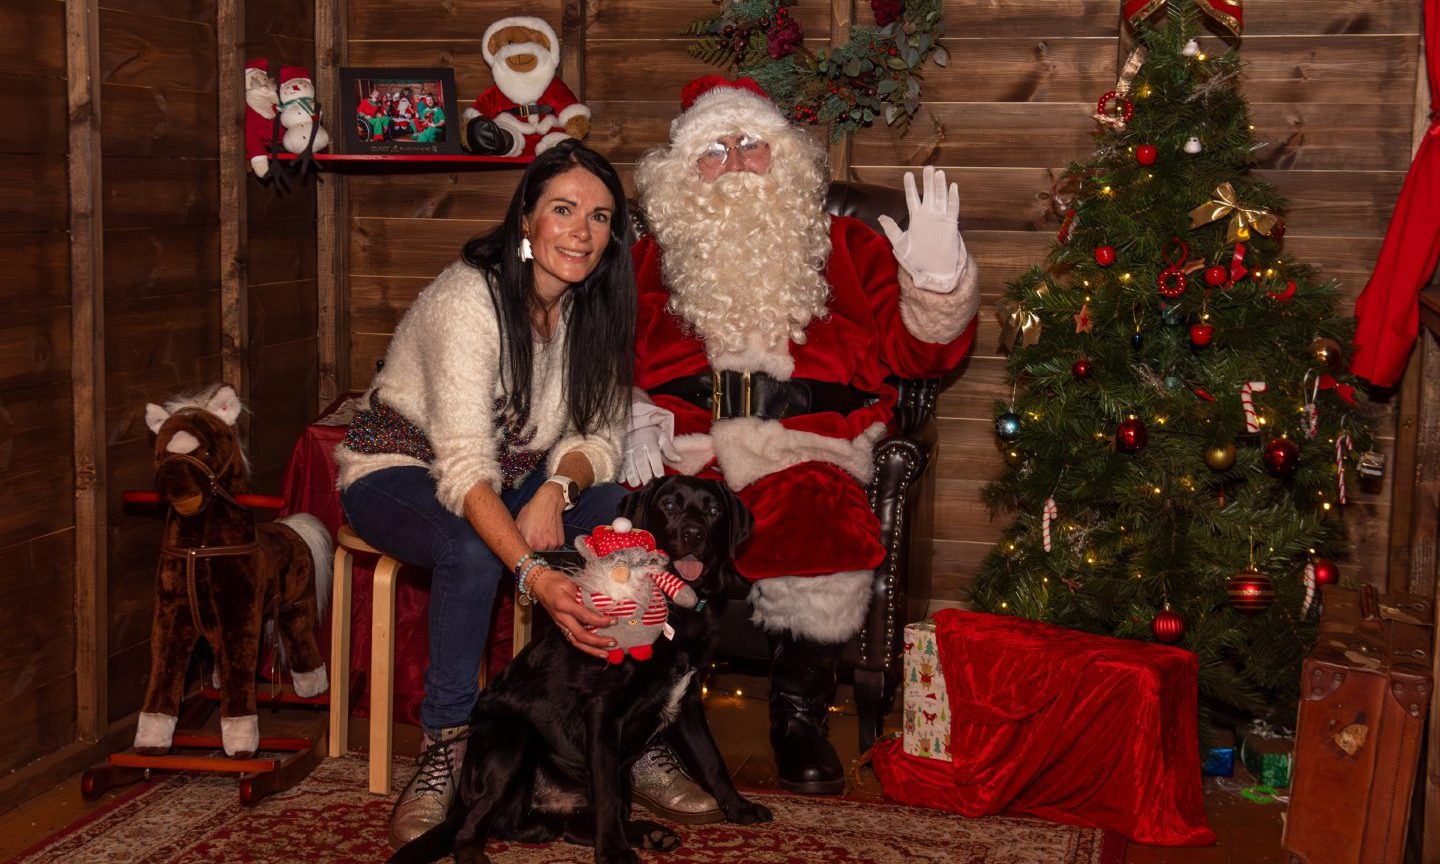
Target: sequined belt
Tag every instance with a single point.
(382, 429)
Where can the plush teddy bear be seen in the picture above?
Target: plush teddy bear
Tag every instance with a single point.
(625, 577)
(529, 110)
(261, 102)
(298, 114)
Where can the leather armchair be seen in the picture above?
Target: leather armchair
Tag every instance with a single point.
(872, 660)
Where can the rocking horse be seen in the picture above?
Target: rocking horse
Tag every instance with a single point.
(221, 575)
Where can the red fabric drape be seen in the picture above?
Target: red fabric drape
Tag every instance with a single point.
(1388, 310)
(1068, 726)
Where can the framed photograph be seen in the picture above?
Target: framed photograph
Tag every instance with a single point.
(399, 111)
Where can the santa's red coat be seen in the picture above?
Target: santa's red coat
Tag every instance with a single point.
(493, 103)
(811, 518)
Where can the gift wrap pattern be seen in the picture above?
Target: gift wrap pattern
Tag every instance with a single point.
(927, 707)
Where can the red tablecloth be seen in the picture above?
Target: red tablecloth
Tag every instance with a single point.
(1063, 725)
(310, 488)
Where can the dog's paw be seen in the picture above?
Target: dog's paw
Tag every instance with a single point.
(651, 835)
(749, 813)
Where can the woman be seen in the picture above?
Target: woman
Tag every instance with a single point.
(494, 429)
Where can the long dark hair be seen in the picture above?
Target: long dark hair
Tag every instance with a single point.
(600, 334)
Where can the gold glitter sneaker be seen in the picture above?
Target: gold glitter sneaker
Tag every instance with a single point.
(662, 787)
(425, 800)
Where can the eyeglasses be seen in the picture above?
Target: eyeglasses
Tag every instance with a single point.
(746, 147)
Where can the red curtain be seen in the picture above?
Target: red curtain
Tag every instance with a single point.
(1388, 311)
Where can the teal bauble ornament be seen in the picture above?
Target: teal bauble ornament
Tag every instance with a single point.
(1007, 426)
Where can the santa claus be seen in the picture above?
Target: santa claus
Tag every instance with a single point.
(752, 297)
(532, 108)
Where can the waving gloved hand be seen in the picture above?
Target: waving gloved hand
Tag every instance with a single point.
(650, 444)
(930, 249)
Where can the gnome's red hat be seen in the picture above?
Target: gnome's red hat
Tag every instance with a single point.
(714, 106)
(620, 534)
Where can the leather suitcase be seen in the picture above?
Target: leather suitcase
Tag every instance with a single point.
(1365, 694)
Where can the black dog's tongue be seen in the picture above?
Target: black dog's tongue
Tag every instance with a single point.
(689, 568)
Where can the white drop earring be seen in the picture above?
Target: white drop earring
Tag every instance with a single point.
(525, 252)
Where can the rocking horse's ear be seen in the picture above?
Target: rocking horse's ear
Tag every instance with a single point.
(155, 417)
(225, 404)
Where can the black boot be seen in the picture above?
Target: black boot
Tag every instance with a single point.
(802, 686)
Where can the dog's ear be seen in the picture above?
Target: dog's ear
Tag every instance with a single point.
(742, 521)
(636, 505)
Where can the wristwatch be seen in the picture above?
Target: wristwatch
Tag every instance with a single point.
(569, 488)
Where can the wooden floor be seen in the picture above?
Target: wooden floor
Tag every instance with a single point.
(1248, 833)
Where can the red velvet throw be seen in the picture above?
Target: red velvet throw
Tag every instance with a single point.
(1387, 312)
(1064, 725)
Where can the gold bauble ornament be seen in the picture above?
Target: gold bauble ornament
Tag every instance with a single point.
(1013, 457)
(1220, 457)
(1326, 352)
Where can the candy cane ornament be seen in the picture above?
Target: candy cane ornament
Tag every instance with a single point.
(1312, 410)
(1048, 514)
(1247, 401)
(1309, 589)
(1342, 444)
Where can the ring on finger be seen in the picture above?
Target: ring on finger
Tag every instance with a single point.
(568, 634)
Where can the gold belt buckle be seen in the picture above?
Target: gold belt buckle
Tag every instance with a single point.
(717, 394)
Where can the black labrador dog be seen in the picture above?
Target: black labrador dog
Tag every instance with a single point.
(553, 737)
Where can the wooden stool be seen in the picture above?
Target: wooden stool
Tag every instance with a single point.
(382, 654)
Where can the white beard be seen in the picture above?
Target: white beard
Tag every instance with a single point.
(744, 256)
(524, 88)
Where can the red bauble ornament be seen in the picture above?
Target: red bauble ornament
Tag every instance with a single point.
(1104, 255)
(1251, 592)
(1130, 435)
(1216, 276)
(1326, 573)
(1281, 456)
(1081, 369)
(1200, 334)
(1167, 625)
(1145, 154)
(1278, 232)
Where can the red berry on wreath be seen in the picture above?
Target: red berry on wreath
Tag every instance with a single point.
(1145, 154)
(1104, 255)
(1215, 276)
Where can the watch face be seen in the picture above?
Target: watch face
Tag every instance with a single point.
(572, 492)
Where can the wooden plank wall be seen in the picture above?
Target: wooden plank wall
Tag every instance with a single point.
(1331, 84)
(37, 522)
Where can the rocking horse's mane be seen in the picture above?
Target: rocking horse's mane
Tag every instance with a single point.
(199, 400)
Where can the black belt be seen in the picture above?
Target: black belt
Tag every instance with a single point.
(732, 394)
(527, 110)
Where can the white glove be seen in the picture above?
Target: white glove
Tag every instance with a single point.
(930, 249)
(650, 444)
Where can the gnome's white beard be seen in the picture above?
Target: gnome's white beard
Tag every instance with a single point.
(523, 88)
(744, 256)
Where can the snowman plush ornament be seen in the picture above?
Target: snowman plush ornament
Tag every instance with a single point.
(298, 114)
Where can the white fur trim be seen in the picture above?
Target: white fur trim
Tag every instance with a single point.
(240, 734)
(936, 317)
(523, 88)
(756, 356)
(825, 609)
(311, 683)
(155, 730)
(724, 111)
(260, 165)
(696, 451)
(604, 455)
(749, 448)
(516, 128)
(576, 110)
(467, 115)
(182, 442)
(549, 141)
(317, 537)
(529, 22)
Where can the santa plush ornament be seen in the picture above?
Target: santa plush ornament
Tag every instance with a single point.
(261, 104)
(528, 110)
(298, 114)
(626, 577)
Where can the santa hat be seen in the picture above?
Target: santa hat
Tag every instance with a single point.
(288, 73)
(618, 535)
(527, 21)
(260, 64)
(715, 106)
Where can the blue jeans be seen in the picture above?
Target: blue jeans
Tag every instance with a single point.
(395, 510)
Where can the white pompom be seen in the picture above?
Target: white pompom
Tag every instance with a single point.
(1191, 48)
(622, 525)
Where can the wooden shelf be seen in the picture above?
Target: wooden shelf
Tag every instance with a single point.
(428, 158)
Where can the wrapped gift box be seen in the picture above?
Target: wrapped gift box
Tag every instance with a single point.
(926, 705)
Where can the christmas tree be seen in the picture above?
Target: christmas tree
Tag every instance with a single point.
(1182, 432)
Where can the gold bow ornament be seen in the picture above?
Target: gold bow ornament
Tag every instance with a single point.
(1243, 220)
(1016, 320)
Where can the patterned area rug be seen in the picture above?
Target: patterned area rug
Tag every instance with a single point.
(331, 818)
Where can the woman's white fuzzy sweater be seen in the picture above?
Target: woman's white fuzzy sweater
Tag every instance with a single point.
(442, 372)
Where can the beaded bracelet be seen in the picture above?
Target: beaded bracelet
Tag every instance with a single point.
(526, 595)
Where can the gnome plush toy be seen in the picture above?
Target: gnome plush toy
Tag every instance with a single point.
(626, 578)
(298, 113)
(529, 110)
(261, 103)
